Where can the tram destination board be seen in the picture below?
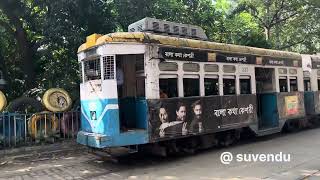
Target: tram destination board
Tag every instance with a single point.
(183, 54)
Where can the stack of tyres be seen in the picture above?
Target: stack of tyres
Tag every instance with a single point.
(58, 100)
(43, 125)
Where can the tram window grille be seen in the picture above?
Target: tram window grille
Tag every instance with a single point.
(92, 70)
(245, 85)
(229, 86)
(191, 87)
(140, 87)
(108, 64)
(139, 62)
(211, 86)
(168, 87)
(283, 84)
(293, 84)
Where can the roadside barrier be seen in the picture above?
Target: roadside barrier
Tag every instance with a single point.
(18, 129)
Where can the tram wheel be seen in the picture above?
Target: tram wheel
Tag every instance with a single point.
(228, 138)
(304, 123)
(291, 126)
(57, 100)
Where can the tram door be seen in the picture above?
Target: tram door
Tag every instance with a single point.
(130, 87)
(266, 98)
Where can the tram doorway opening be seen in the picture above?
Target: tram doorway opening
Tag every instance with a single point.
(266, 98)
(131, 91)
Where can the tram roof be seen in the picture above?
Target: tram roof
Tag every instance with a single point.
(149, 38)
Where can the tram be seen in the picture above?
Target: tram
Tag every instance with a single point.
(163, 84)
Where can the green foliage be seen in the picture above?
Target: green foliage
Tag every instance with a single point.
(39, 39)
(288, 25)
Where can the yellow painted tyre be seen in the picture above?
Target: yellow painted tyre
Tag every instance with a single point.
(42, 125)
(57, 100)
(3, 101)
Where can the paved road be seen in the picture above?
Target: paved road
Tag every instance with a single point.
(303, 147)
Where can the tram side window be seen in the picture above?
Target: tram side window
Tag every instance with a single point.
(191, 87)
(293, 84)
(245, 85)
(229, 85)
(168, 87)
(318, 84)
(283, 84)
(92, 70)
(211, 86)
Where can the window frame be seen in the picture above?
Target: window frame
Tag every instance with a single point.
(246, 77)
(296, 79)
(169, 76)
(211, 76)
(283, 78)
(235, 84)
(191, 76)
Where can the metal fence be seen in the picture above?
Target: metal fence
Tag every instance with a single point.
(30, 129)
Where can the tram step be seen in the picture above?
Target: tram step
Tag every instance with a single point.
(268, 131)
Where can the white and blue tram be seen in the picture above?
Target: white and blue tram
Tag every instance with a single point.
(164, 82)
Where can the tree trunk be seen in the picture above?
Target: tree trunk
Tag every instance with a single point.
(4, 70)
(26, 53)
(11, 10)
(267, 32)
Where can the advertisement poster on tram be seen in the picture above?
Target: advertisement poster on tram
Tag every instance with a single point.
(292, 105)
(188, 116)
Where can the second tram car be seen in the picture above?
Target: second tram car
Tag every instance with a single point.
(163, 83)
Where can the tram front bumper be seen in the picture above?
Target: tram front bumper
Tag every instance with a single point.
(93, 139)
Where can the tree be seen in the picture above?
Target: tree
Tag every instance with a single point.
(287, 24)
(13, 15)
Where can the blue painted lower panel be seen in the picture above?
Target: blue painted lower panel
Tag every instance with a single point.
(104, 141)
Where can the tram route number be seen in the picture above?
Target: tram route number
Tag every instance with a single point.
(244, 69)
